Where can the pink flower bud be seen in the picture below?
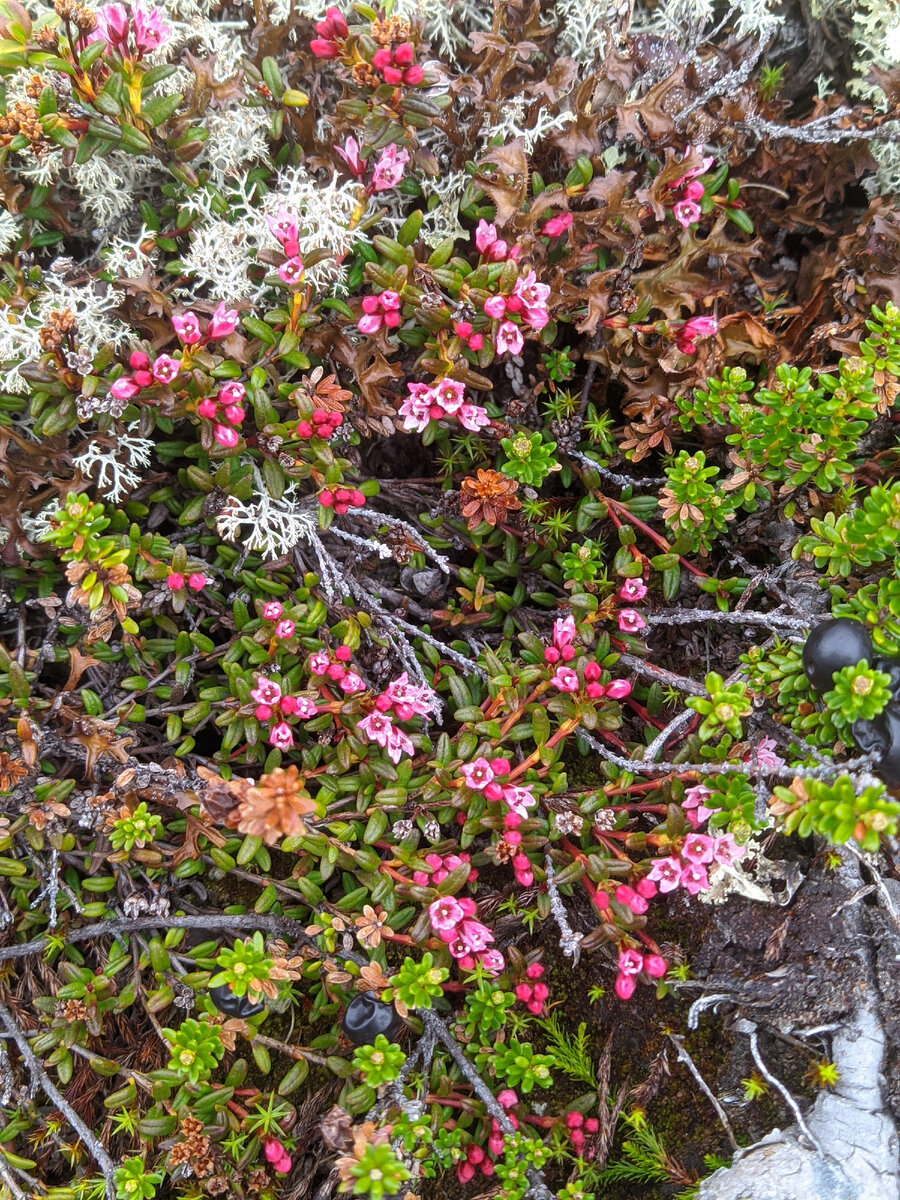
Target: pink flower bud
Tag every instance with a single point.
(646, 888)
(495, 307)
(226, 436)
(413, 75)
(262, 712)
(289, 704)
(655, 965)
(618, 689)
(197, 582)
(507, 1098)
(523, 992)
(500, 766)
(223, 322)
(493, 791)
(234, 413)
(404, 55)
(322, 48)
(124, 388)
(476, 341)
(143, 378)
(138, 360)
(207, 408)
(272, 610)
(574, 1120)
(175, 581)
(392, 75)
(462, 329)
(625, 986)
(370, 324)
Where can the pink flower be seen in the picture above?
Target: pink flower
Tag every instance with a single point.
(563, 632)
(124, 388)
(399, 744)
(693, 190)
(693, 800)
(419, 697)
(477, 774)
(450, 394)
(175, 581)
(445, 914)
(631, 621)
(187, 328)
(698, 848)
(272, 610)
(319, 663)
(285, 229)
(492, 961)
(350, 155)
(165, 368)
(566, 680)
(474, 935)
(705, 164)
(291, 271)
(655, 965)
(281, 736)
(495, 307)
(507, 1098)
(146, 26)
(519, 798)
(508, 338)
(226, 436)
(388, 171)
(473, 417)
(416, 408)
(197, 582)
(485, 236)
(351, 682)
(624, 986)
(764, 752)
(666, 872)
(726, 850)
(149, 29)
(686, 212)
(276, 1155)
(284, 629)
(700, 327)
(223, 322)
(304, 707)
(534, 298)
(618, 689)
(631, 962)
(267, 691)
(557, 225)
(632, 589)
(377, 727)
(693, 878)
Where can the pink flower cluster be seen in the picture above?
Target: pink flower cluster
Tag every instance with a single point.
(578, 1127)
(633, 898)
(401, 700)
(131, 31)
(698, 852)
(696, 327)
(633, 963)
(327, 670)
(398, 65)
(507, 1099)
(476, 1160)
(465, 331)
(441, 866)
(331, 30)
(271, 702)
(175, 581)
(567, 678)
(383, 309)
(446, 398)
(387, 172)
(321, 424)
(527, 303)
(284, 626)
(277, 1156)
(227, 411)
(223, 322)
(285, 228)
(341, 499)
(533, 995)
(453, 920)
(144, 374)
(484, 776)
(688, 190)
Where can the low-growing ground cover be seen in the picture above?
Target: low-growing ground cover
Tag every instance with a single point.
(450, 624)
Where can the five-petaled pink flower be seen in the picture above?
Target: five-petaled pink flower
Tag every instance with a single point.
(698, 848)
(508, 338)
(267, 691)
(566, 680)
(281, 736)
(388, 171)
(445, 914)
(632, 589)
(477, 774)
(666, 872)
(187, 327)
(631, 621)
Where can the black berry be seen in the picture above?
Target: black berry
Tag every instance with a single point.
(366, 1017)
(871, 737)
(891, 667)
(832, 646)
(231, 1005)
(888, 766)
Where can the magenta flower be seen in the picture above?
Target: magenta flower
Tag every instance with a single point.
(291, 271)
(632, 589)
(631, 962)
(272, 610)
(566, 680)
(319, 663)
(144, 29)
(495, 307)
(445, 914)
(485, 236)
(285, 229)
(450, 394)
(416, 408)
(377, 727)
(508, 338)
(267, 691)
(351, 683)
(350, 155)
(563, 632)
(419, 697)
(226, 436)
(223, 322)
(519, 798)
(477, 774)
(165, 368)
(666, 872)
(304, 707)
(388, 171)
(695, 810)
(473, 417)
(765, 754)
(557, 226)
(624, 986)
(726, 850)
(474, 935)
(534, 298)
(686, 212)
(618, 689)
(698, 848)
(693, 878)
(631, 621)
(187, 328)
(124, 388)
(281, 736)
(277, 1156)
(284, 629)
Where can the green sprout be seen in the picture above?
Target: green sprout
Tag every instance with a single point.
(137, 829)
(379, 1063)
(529, 458)
(196, 1048)
(860, 693)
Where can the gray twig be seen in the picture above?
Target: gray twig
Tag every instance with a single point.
(695, 616)
(779, 1086)
(707, 1091)
(569, 941)
(43, 1081)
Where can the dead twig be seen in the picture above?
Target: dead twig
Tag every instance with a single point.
(684, 1057)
